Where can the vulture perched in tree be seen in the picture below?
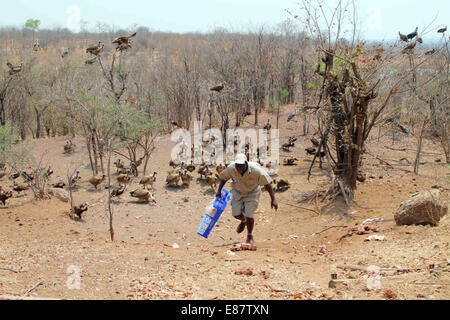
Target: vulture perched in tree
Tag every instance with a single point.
(14, 69)
(65, 53)
(124, 42)
(36, 46)
(48, 172)
(442, 30)
(75, 178)
(412, 35)
(403, 37)
(218, 88)
(96, 50)
(291, 116)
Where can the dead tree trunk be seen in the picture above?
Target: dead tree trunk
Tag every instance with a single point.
(110, 208)
(419, 147)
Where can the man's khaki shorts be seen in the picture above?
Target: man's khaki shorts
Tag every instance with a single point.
(245, 204)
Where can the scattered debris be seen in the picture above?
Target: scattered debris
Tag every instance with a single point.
(244, 271)
(323, 249)
(342, 284)
(243, 247)
(148, 289)
(372, 220)
(328, 295)
(32, 288)
(359, 230)
(274, 289)
(175, 246)
(375, 238)
(298, 296)
(390, 294)
(316, 233)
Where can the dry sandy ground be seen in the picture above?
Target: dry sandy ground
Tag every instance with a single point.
(39, 243)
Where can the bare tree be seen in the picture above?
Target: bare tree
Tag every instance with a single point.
(430, 86)
(352, 80)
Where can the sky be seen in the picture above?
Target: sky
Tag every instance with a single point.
(381, 19)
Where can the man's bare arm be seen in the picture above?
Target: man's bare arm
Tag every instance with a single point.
(274, 202)
(221, 185)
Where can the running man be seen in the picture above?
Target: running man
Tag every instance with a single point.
(248, 178)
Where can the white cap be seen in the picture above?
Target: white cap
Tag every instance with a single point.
(241, 159)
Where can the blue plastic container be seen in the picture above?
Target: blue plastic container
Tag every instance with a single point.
(209, 222)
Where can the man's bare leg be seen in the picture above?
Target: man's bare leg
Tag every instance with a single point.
(250, 225)
(241, 226)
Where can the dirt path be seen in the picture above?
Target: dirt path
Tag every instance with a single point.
(38, 243)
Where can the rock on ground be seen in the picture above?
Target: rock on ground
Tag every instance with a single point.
(421, 208)
(61, 194)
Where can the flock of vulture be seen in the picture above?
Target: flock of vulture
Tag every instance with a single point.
(122, 44)
(124, 176)
(413, 38)
(181, 174)
(18, 187)
(208, 172)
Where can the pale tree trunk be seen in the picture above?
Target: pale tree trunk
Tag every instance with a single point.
(88, 145)
(419, 147)
(303, 80)
(95, 151)
(110, 207)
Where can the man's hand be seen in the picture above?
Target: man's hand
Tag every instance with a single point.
(219, 190)
(274, 204)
